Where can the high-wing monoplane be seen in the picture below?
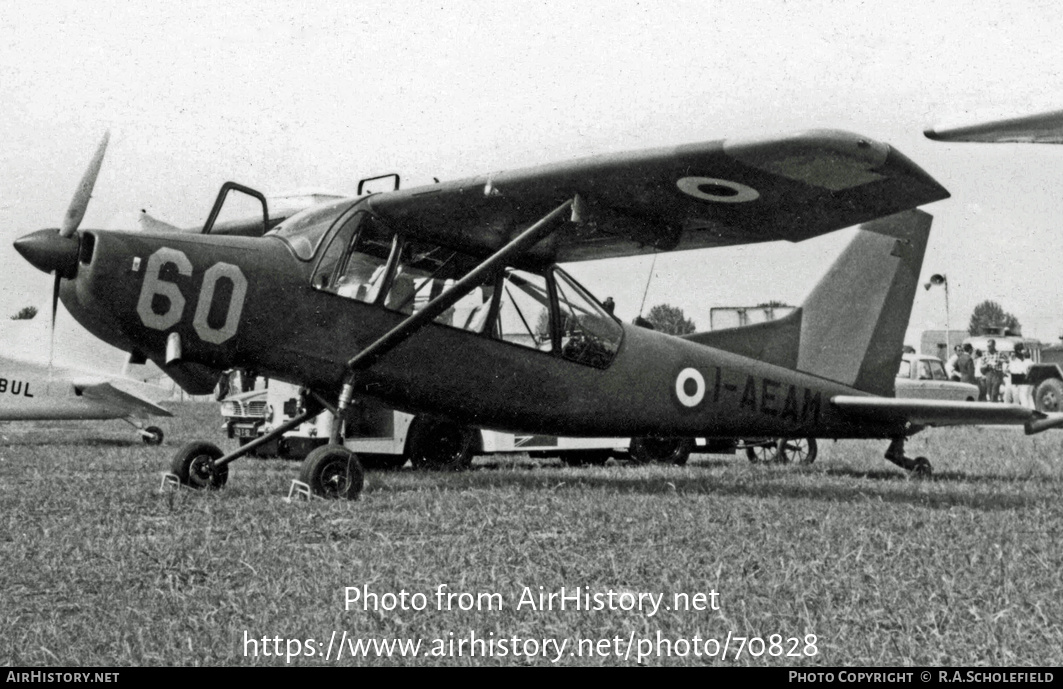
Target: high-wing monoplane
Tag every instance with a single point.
(34, 391)
(447, 300)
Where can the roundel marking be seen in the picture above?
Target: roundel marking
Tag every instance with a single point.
(690, 387)
(718, 190)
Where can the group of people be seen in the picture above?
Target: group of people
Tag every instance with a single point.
(1000, 376)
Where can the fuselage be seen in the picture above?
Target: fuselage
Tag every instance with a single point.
(256, 303)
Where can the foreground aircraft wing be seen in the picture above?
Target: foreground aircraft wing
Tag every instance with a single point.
(121, 394)
(1045, 128)
(945, 413)
(788, 187)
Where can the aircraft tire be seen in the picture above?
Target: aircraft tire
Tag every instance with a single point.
(661, 450)
(797, 450)
(333, 472)
(1049, 395)
(155, 437)
(194, 466)
(763, 454)
(436, 444)
(922, 468)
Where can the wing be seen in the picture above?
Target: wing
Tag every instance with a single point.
(1046, 128)
(146, 223)
(943, 413)
(688, 197)
(122, 395)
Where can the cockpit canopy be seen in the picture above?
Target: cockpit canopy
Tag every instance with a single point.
(360, 257)
(304, 230)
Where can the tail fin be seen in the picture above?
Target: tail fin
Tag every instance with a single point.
(851, 327)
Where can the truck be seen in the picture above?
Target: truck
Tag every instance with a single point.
(385, 438)
(1046, 377)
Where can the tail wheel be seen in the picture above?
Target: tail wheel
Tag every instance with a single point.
(153, 437)
(662, 450)
(333, 472)
(440, 445)
(797, 450)
(194, 466)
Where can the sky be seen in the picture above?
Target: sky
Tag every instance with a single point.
(282, 96)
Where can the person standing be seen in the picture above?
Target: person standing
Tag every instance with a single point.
(950, 365)
(979, 379)
(1019, 391)
(964, 365)
(992, 366)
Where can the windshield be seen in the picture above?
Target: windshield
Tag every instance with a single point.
(304, 230)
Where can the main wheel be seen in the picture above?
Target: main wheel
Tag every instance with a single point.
(762, 452)
(663, 450)
(194, 466)
(154, 436)
(798, 450)
(1049, 395)
(440, 445)
(333, 472)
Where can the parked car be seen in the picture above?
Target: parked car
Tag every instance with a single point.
(924, 377)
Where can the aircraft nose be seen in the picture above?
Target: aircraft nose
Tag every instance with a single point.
(48, 251)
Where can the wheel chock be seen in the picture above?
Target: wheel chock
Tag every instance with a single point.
(298, 489)
(169, 482)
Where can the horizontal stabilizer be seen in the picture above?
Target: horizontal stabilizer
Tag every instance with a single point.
(944, 413)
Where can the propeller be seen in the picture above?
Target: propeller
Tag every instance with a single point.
(51, 250)
(76, 212)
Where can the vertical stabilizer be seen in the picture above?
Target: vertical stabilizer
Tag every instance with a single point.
(853, 322)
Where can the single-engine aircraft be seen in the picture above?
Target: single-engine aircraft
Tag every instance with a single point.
(447, 300)
(32, 391)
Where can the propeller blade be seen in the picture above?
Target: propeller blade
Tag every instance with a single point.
(55, 307)
(80, 202)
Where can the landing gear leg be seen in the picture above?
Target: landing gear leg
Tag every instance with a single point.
(920, 466)
(332, 471)
(203, 465)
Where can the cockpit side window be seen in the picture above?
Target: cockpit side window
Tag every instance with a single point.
(354, 264)
(425, 271)
(589, 334)
(524, 311)
(553, 313)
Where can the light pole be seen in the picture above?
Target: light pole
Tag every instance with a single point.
(940, 279)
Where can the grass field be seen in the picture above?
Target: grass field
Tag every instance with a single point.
(99, 568)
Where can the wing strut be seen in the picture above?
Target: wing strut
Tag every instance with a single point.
(403, 331)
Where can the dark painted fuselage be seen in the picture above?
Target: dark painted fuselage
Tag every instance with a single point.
(279, 325)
